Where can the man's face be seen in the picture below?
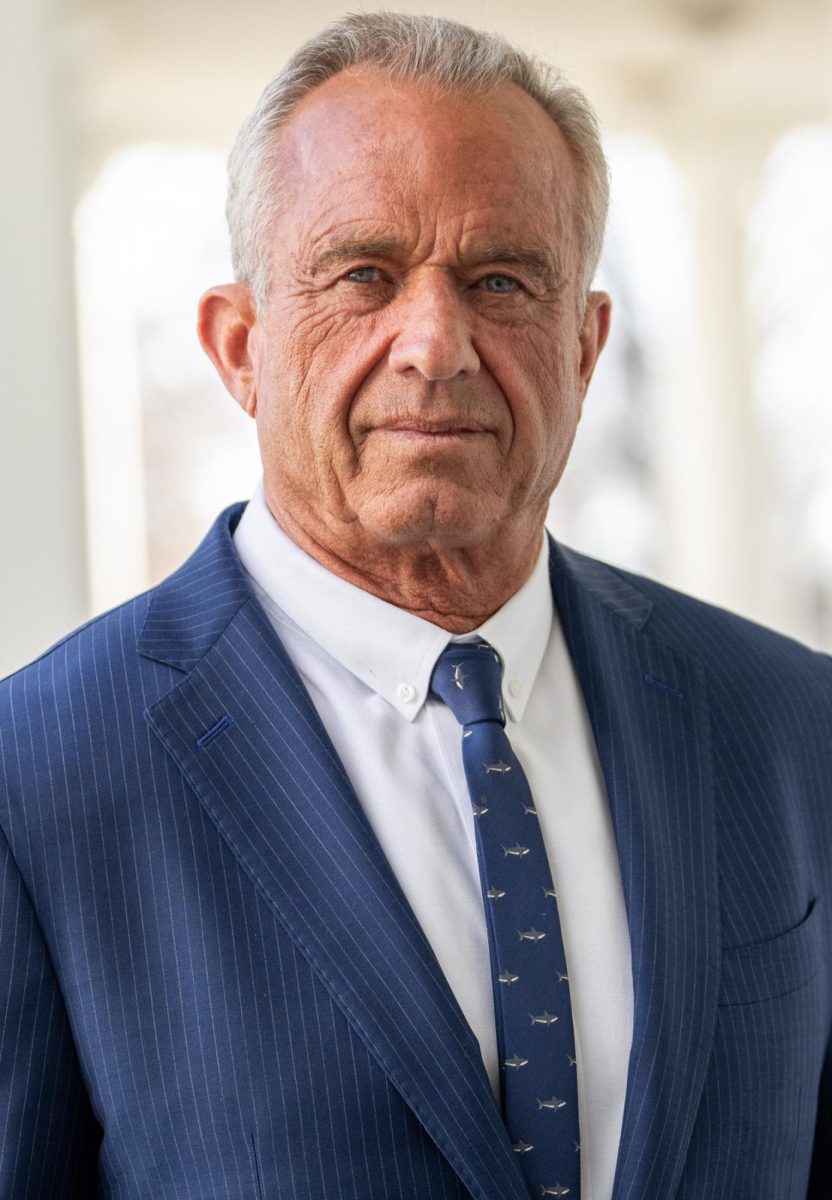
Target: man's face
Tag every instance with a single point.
(418, 367)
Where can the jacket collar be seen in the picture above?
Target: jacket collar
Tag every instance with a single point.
(191, 608)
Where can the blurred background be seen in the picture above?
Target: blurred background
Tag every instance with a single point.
(704, 456)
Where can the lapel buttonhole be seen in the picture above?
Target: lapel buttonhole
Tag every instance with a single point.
(214, 731)
(663, 687)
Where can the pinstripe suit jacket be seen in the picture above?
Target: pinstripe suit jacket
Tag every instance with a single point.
(212, 986)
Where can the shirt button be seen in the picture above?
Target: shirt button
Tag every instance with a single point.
(406, 692)
(515, 687)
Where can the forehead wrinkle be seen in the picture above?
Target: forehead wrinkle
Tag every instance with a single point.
(389, 160)
(394, 228)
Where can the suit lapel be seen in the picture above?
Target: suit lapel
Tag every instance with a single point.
(243, 730)
(649, 718)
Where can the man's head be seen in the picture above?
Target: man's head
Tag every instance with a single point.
(411, 326)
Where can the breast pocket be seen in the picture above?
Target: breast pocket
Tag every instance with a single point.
(765, 970)
(758, 1108)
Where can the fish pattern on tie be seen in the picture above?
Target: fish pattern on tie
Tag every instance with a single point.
(530, 981)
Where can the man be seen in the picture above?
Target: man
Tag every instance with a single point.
(286, 838)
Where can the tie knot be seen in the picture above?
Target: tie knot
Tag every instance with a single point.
(467, 677)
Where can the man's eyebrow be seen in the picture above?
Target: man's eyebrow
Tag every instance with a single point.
(542, 266)
(335, 253)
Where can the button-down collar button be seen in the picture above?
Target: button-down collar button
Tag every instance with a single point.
(515, 687)
(406, 693)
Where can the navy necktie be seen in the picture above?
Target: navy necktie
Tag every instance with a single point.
(535, 1041)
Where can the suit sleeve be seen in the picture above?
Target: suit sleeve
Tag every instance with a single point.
(820, 1183)
(48, 1135)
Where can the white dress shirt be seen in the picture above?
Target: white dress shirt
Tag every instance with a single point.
(367, 666)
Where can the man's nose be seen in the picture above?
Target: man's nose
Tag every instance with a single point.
(433, 334)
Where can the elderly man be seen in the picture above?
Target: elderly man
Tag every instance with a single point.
(388, 849)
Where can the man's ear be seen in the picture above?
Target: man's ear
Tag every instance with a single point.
(593, 336)
(226, 318)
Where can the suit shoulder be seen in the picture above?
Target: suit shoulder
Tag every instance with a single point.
(725, 642)
(67, 717)
(723, 638)
(94, 676)
(84, 644)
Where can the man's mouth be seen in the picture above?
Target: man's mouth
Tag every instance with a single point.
(419, 427)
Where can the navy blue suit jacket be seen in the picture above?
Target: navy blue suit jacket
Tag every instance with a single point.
(211, 984)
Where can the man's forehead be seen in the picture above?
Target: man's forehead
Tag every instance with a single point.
(368, 87)
(400, 159)
(364, 115)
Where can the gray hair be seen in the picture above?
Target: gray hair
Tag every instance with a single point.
(444, 53)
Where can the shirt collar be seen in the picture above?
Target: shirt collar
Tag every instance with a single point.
(388, 649)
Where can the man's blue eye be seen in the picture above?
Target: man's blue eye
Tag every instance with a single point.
(499, 285)
(362, 275)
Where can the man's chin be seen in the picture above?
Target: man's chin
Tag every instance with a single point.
(437, 519)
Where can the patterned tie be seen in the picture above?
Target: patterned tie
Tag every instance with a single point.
(535, 1042)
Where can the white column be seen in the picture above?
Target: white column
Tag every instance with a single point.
(43, 591)
(709, 461)
(112, 412)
